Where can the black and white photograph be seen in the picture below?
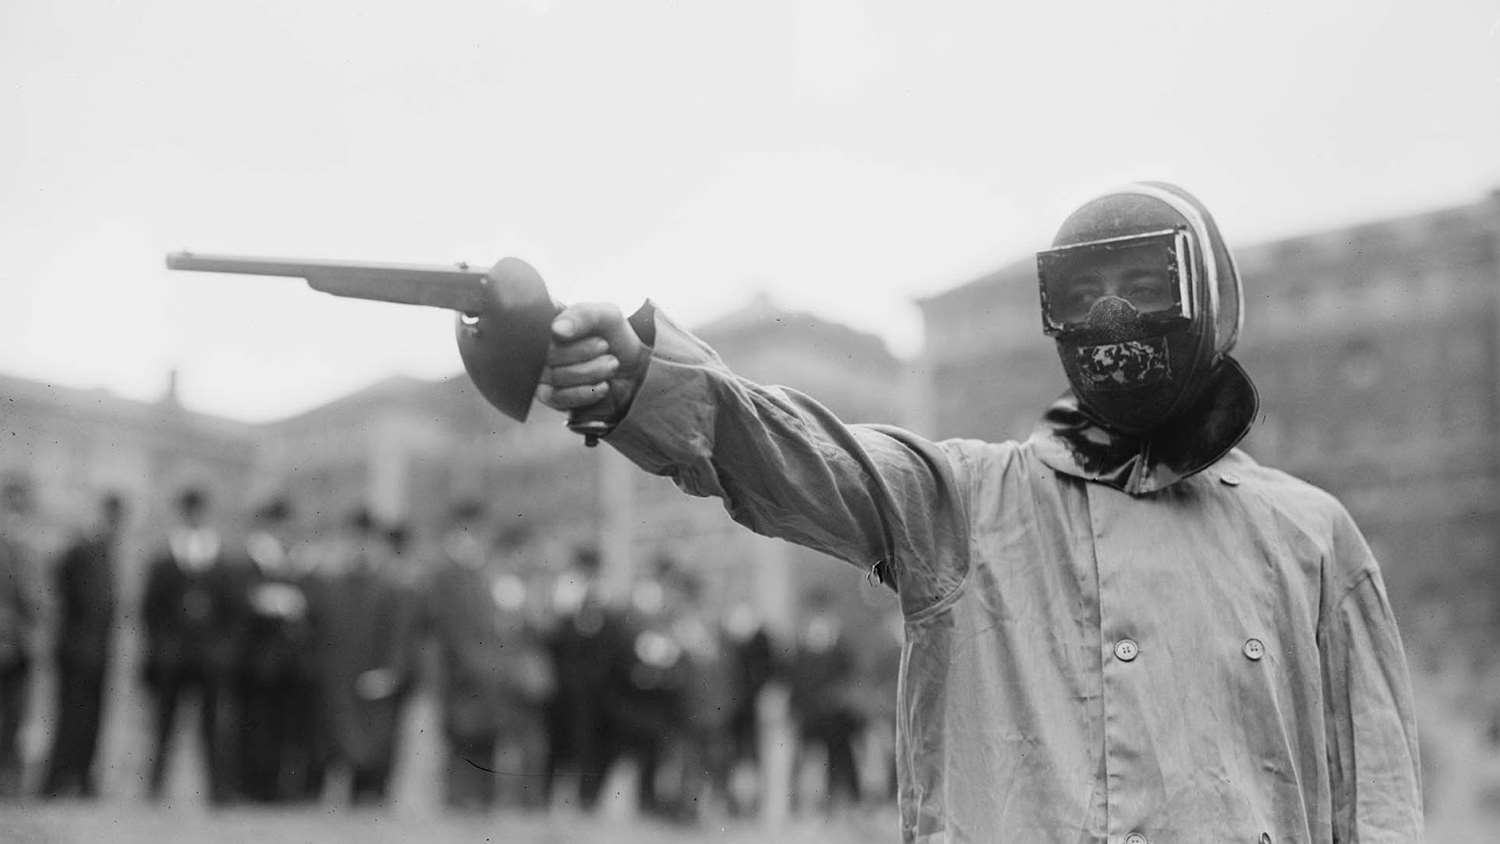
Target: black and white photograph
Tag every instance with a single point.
(837, 421)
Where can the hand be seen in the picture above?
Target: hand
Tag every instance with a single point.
(594, 354)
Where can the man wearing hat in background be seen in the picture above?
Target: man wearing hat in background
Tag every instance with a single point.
(587, 642)
(192, 610)
(463, 618)
(365, 637)
(493, 675)
(1122, 629)
(84, 585)
(276, 672)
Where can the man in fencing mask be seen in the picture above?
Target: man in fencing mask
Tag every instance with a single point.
(1122, 629)
(1142, 297)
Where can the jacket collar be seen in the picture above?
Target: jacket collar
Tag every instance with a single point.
(1069, 441)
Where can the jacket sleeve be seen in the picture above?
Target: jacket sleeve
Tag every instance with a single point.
(1368, 713)
(786, 467)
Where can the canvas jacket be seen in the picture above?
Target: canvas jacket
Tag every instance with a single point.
(1215, 661)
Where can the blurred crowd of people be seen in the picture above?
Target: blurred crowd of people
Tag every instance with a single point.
(297, 654)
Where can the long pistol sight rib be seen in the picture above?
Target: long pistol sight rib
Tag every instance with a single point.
(457, 288)
(503, 334)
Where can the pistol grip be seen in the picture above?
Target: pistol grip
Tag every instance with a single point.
(599, 419)
(594, 421)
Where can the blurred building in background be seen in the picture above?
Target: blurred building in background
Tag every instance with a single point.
(1376, 350)
(364, 449)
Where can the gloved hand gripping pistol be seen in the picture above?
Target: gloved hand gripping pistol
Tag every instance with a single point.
(504, 321)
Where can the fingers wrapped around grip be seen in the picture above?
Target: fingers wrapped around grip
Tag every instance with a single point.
(590, 370)
(571, 398)
(567, 353)
(594, 354)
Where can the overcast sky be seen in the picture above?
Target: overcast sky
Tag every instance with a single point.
(843, 156)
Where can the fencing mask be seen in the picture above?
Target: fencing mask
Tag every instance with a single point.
(1142, 297)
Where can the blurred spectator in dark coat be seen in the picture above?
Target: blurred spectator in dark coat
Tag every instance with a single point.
(882, 680)
(822, 678)
(587, 641)
(645, 691)
(277, 672)
(84, 586)
(493, 675)
(19, 618)
(193, 610)
(316, 563)
(523, 730)
(366, 642)
(753, 665)
(708, 694)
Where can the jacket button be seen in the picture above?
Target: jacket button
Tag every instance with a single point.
(1229, 479)
(1125, 651)
(1254, 649)
(1135, 838)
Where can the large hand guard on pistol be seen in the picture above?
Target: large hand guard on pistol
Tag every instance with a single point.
(503, 324)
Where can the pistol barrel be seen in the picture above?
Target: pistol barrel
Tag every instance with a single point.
(457, 287)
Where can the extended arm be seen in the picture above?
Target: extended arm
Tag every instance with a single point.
(783, 465)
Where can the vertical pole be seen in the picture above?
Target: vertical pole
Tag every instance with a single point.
(775, 590)
(776, 600)
(617, 569)
(387, 474)
(616, 529)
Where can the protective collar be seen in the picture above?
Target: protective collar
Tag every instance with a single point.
(1071, 442)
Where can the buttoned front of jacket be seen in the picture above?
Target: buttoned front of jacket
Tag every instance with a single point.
(1076, 665)
(1102, 637)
